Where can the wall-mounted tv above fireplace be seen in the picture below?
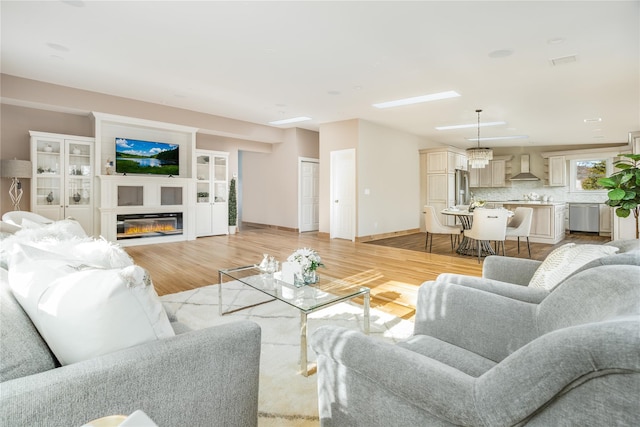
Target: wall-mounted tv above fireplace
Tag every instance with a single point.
(146, 157)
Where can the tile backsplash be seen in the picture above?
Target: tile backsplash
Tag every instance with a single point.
(519, 188)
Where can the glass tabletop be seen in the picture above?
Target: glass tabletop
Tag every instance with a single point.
(327, 291)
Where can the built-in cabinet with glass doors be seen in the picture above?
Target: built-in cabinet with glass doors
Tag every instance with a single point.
(212, 184)
(62, 182)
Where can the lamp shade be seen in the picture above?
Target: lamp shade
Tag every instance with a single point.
(15, 168)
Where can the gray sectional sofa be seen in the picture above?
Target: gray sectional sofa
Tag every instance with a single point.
(485, 352)
(203, 378)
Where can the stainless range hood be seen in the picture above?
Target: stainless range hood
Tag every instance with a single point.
(524, 174)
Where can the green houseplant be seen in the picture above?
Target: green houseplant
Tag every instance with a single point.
(624, 187)
(233, 207)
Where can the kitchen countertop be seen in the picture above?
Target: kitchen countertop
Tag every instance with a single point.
(526, 202)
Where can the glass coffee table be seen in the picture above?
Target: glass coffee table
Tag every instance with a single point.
(307, 299)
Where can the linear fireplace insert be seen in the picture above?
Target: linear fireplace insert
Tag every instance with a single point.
(135, 226)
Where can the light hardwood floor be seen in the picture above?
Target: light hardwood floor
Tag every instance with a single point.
(392, 268)
(392, 274)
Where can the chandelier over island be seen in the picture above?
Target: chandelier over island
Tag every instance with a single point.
(479, 157)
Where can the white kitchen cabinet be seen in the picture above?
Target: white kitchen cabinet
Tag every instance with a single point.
(605, 220)
(440, 194)
(212, 186)
(498, 173)
(493, 175)
(437, 162)
(456, 161)
(541, 223)
(462, 162)
(558, 222)
(557, 171)
(547, 223)
(480, 177)
(437, 179)
(63, 173)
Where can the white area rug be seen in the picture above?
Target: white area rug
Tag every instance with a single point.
(286, 397)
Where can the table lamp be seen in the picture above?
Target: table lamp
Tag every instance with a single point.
(15, 169)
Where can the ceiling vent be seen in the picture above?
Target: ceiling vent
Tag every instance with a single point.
(561, 60)
(524, 174)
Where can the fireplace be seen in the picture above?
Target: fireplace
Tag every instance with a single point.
(135, 226)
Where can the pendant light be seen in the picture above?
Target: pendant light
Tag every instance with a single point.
(479, 157)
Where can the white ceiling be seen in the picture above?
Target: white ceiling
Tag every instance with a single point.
(263, 61)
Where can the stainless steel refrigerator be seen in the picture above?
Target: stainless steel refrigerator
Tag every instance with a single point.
(462, 187)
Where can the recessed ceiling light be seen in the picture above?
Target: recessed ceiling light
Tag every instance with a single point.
(470, 125)
(500, 53)
(496, 138)
(291, 120)
(593, 120)
(58, 47)
(75, 3)
(556, 40)
(562, 60)
(418, 99)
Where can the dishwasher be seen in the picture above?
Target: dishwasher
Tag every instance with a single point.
(584, 217)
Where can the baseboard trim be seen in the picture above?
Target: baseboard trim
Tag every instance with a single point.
(273, 227)
(363, 239)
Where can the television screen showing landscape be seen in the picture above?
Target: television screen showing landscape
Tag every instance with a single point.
(146, 157)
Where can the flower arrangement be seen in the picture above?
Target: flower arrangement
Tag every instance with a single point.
(307, 259)
(476, 204)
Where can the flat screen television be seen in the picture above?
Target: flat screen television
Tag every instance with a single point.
(146, 157)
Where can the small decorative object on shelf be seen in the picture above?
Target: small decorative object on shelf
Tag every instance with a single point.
(308, 260)
(203, 197)
(109, 167)
(269, 264)
(76, 151)
(50, 197)
(77, 197)
(48, 148)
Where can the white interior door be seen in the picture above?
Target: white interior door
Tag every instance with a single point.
(343, 191)
(309, 196)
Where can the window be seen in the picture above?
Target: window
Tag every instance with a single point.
(585, 173)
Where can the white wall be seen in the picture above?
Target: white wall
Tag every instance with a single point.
(333, 136)
(389, 167)
(270, 180)
(388, 164)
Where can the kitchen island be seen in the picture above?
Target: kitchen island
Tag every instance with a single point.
(547, 225)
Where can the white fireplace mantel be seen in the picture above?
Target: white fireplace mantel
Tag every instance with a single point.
(119, 194)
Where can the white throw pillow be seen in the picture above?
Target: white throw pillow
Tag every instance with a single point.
(563, 261)
(94, 252)
(83, 312)
(59, 230)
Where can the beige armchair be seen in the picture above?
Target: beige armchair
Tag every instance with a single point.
(433, 226)
(520, 225)
(488, 225)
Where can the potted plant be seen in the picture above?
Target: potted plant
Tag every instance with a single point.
(624, 187)
(203, 196)
(233, 207)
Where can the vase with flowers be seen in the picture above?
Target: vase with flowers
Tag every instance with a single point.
(307, 260)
